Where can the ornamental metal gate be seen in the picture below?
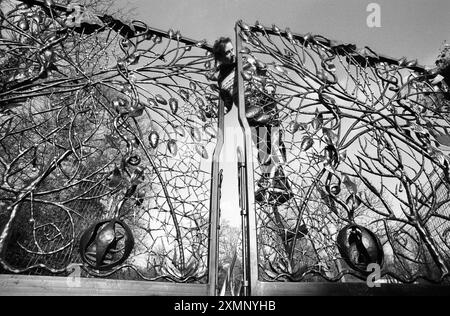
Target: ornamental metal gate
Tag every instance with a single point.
(110, 139)
(346, 167)
(110, 142)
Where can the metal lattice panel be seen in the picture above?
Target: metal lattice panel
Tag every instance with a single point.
(350, 160)
(108, 133)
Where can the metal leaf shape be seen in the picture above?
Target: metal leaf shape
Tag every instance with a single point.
(172, 147)
(245, 50)
(317, 122)
(244, 26)
(307, 143)
(331, 155)
(173, 104)
(289, 34)
(160, 99)
(196, 135)
(243, 36)
(184, 94)
(275, 29)
(412, 63)
(179, 130)
(259, 26)
(294, 126)
(210, 131)
(263, 119)
(136, 111)
(201, 151)
(253, 111)
(281, 70)
(153, 138)
(246, 75)
(152, 102)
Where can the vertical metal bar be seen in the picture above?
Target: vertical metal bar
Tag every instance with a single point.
(248, 172)
(213, 253)
(244, 220)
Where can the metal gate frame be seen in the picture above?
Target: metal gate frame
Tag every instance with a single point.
(249, 216)
(11, 284)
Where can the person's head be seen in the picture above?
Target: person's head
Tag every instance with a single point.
(223, 51)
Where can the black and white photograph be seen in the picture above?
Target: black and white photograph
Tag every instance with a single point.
(224, 153)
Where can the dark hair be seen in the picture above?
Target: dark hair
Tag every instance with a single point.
(218, 49)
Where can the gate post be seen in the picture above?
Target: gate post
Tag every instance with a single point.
(248, 203)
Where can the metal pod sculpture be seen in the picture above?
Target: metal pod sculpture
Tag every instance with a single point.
(153, 139)
(103, 246)
(172, 147)
(196, 135)
(359, 247)
(160, 99)
(173, 104)
(201, 150)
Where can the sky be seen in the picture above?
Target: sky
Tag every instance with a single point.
(410, 28)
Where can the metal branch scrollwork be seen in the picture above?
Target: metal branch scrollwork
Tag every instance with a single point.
(106, 133)
(358, 146)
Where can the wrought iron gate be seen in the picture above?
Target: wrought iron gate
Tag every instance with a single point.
(347, 167)
(110, 138)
